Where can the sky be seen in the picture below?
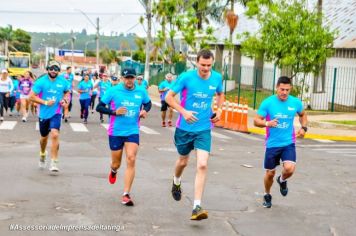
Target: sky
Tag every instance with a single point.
(66, 15)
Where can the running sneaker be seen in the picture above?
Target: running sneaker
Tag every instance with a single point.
(112, 177)
(24, 119)
(267, 203)
(170, 123)
(163, 124)
(54, 166)
(42, 162)
(102, 120)
(176, 192)
(282, 186)
(199, 214)
(85, 121)
(126, 200)
(81, 116)
(1, 118)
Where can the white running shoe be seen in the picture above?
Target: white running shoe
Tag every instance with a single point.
(54, 166)
(42, 163)
(24, 119)
(1, 118)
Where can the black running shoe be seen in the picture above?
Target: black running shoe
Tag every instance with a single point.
(267, 200)
(282, 186)
(176, 192)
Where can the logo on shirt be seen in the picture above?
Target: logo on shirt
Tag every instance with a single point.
(138, 96)
(59, 86)
(212, 87)
(200, 95)
(291, 109)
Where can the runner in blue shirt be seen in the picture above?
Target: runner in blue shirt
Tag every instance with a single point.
(103, 86)
(68, 75)
(277, 113)
(14, 97)
(197, 88)
(124, 101)
(85, 88)
(52, 93)
(141, 82)
(163, 89)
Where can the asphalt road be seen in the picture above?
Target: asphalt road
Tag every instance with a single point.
(321, 200)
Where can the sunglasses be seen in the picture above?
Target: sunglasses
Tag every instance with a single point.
(54, 68)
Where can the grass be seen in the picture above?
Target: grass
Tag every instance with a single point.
(249, 95)
(343, 122)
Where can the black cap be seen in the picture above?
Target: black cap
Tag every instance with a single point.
(128, 72)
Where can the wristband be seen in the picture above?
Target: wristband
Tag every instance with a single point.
(266, 124)
(46, 103)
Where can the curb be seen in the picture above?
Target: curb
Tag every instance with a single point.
(310, 136)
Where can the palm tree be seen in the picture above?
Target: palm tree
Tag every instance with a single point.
(6, 36)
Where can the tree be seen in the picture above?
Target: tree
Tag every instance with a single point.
(6, 36)
(21, 41)
(290, 35)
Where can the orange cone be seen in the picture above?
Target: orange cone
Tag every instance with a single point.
(243, 127)
(221, 122)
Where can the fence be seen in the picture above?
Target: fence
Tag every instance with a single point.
(336, 92)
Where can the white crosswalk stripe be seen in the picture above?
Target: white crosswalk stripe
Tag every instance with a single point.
(218, 135)
(147, 130)
(8, 125)
(246, 136)
(348, 150)
(78, 127)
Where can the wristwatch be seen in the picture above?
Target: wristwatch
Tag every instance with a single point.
(305, 128)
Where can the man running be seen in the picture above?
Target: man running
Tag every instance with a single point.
(51, 92)
(103, 86)
(193, 128)
(125, 101)
(68, 75)
(163, 89)
(279, 111)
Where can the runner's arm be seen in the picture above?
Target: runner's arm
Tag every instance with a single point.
(147, 106)
(101, 107)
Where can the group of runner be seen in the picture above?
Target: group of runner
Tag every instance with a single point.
(128, 102)
(14, 95)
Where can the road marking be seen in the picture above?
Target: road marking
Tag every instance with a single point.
(217, 135)
(156, 103)
(37, 125)
(324, 140)
(147, 130)
(78, 127)
(8, 125)
(247, 136)
(106, 126)
(350, 155)
(327, 145)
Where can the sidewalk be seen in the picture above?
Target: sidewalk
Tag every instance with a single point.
(317, 128)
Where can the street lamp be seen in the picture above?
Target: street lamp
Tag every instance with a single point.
(96, 26)
(85, 52)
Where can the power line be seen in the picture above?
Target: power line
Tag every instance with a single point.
(71, 13)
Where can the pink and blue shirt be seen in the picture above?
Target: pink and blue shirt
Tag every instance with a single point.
(119, 96)
(197, 95)
(48, 89)
(285, 111)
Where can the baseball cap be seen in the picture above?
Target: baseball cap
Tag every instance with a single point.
(54, 63)
(4, 71)
(128, 72)
(114, 78)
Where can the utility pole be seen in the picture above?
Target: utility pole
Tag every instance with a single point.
(148, 6)
(72, 44)
(97, 43)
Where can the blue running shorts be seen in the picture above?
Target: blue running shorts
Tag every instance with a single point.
(187, 141)
(275, 154)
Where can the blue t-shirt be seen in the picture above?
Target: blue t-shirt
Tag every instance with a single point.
(197, 95)
(119, 96)
(104, 86)
(15, 91)
(283, 134)
(69, 78)
(87, 88)
(50, 90)
(163, 85)
(143, 85)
